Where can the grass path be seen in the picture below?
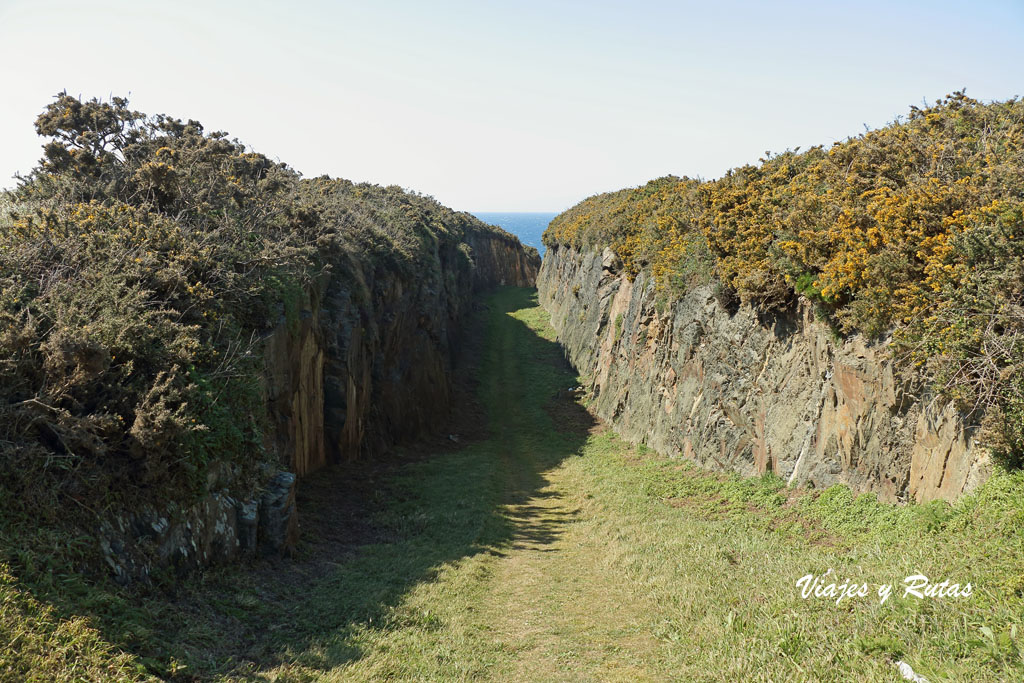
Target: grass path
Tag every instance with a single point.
(538, 599)
(571, 556)
(558, 603)
(552, 598)
(542, 548)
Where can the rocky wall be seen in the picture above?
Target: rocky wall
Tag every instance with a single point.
(360, 362)
(735, 390)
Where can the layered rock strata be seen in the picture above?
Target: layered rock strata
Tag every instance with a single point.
(735, 390)
(361, 361)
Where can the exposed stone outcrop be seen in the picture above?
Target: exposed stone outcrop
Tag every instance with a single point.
(500, 259)
(370, 363)
(214, 530)
(293, 385)
(278, 527)
(735, 391)
(361, 361)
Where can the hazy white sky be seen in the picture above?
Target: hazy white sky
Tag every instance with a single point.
(509, 105)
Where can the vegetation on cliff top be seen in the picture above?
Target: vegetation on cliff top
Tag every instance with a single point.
(139, 265)
(916, 229)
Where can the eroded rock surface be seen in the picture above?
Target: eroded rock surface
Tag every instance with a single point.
(360, 362)
(735, 391)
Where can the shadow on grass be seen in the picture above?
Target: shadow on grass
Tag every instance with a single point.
(372, 532)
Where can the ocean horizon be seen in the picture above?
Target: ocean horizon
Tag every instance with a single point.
(528, 226)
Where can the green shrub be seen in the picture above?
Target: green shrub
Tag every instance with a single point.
(140, 264)
(915, 230)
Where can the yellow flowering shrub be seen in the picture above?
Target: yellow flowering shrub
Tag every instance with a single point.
(881, 231)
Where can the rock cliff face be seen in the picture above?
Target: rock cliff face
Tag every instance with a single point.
(734, 391)
(360, 362)
(369, 362)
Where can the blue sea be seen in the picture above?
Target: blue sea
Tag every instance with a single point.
(528, 227)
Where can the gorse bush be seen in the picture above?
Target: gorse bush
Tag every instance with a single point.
(133, 265)
(140, 263)
(913, 230)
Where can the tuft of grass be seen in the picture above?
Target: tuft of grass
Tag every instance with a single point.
(37, 644)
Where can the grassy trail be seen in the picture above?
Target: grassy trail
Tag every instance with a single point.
(542, 548)
(551, 597)
(567, 555)
(536, 598)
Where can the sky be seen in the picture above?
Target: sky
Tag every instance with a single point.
(512, 105)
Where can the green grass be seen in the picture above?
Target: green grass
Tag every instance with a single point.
(36, 644)
(551, 550)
